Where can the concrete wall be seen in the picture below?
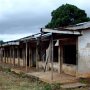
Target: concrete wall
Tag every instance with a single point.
(42, 66)
(84, 54)
(10, 61)
(66, 68)
(69, 69)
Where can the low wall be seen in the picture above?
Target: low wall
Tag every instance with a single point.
(10, 61)
(48, 67)
(66, 68)
(69, 69)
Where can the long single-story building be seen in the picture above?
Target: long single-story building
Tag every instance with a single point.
(63, 50)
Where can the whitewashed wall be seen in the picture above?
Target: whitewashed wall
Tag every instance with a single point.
(84, 53)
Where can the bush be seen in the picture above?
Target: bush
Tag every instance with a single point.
(47, 87)
(7, 70)
(56, 86)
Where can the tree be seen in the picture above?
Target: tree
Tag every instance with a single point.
(1, 42)
(67, 15)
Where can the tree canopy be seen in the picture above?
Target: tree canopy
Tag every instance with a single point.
(1, 42)
(65, 15)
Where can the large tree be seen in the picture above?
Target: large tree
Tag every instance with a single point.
(1, 42)
(67, 15)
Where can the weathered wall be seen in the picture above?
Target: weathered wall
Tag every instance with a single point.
(48, 67)
(68, 69)
(10, 61)
(84, 54)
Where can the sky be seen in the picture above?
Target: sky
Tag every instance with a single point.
(20, 18)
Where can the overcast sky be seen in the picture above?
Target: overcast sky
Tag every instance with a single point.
(20, 18)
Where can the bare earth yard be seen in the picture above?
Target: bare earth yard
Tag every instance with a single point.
(11, 81)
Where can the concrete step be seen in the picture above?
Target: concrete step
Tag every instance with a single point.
(73, 85)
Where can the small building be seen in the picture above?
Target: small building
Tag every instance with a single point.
(63, 50)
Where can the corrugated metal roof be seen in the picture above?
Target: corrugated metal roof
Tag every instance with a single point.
(32, 37)
(79, 26)
(67, 30)
(46, 30)
(11, 43)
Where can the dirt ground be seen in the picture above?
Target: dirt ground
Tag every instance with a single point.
(10, 81)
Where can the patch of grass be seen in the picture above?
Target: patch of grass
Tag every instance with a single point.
(56, 86)
(7, 70)
(84, 80)
(47, 87)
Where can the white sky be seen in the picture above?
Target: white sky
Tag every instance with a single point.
(19, 18)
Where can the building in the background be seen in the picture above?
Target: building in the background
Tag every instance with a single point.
(62, 50)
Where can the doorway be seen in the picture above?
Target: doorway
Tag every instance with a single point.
(69, 54)
(69, 60)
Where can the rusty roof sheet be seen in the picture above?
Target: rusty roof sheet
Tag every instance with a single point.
(46, 30)
(79, 26)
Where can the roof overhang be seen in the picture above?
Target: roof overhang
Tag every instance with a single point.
(45, 30)
(10, 43)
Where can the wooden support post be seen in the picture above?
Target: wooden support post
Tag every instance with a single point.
(26, 55)
(4, 55)
(10, 56)
(36, 57)
(59, 69)
(1, 55)
(29, 57)
(52, 57)
(7, 56)
(18, 56)
(76, 56)
(13, 57)
(61, 59)
(23, 56)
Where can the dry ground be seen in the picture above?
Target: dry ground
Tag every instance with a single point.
(10, 81)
